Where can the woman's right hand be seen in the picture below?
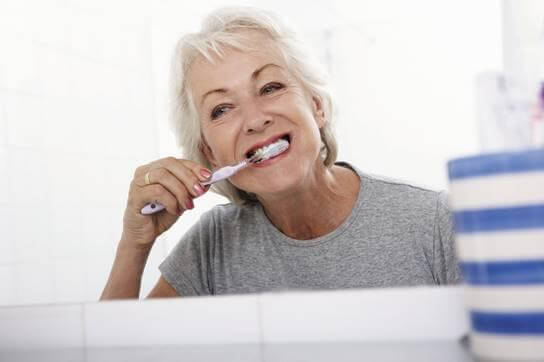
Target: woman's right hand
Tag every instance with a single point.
(173, 183)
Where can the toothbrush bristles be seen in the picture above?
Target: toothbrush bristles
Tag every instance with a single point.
(263, 154)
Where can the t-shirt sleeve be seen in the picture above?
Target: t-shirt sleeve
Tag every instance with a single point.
(444, 257)
(188, 266)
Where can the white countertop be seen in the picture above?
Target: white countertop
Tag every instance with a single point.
(408, 324)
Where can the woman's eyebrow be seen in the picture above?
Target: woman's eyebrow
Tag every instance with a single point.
(254, 76)
(220, 90)
(256, 73)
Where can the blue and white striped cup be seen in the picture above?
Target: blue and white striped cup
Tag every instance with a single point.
(498, 208)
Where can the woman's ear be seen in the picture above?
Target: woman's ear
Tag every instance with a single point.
(207, 152)
(319, 114)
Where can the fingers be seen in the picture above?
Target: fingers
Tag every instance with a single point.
(177, 167)
(189, 172)
(180, 178)
(176, 187)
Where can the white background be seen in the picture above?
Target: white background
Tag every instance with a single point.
(83, 103)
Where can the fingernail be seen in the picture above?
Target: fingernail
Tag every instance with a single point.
(205, 173)
(189, 204)
(198, 189)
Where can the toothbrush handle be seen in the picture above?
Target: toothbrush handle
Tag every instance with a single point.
(225, 172)
(151, 208)
(221, 174)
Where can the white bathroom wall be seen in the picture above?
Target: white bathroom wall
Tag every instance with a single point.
(76, 118)
(404, 75)
(523, 37)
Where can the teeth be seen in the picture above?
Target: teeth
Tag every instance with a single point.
(271, 150)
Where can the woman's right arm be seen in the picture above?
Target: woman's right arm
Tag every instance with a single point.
(173, 183)
(125, 277)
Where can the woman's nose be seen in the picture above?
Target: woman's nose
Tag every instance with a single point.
(256, 120)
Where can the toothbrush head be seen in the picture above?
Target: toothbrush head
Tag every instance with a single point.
(269, 151)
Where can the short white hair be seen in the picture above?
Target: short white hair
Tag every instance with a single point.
(223, 28)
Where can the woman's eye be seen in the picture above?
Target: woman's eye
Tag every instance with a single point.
(269, 88)
(219, 111)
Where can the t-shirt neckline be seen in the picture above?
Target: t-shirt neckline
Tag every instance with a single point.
(361, 197)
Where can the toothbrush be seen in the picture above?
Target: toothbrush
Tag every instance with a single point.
(262, 154)
(218, 175)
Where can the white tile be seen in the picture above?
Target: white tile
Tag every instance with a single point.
(69, 280)
(14, 18)
(25, 120)
(63, 179)
(7, 280)
(121, 44)
(65, 232)
(55, 71)
(136, 43)
(47, 327)
(193, 353)
(51, 24)
(27, 170)
(18, 64)
(83, 126)
(136, 85)
(141, 123)
(7, 242)
(3, 120)
(96, 82)
(94, 179)
(179, 321)
(383, 351)
(101, 229)
(4, 171)
(408, 314)
(34, 283)
(98, 125)
(64, 121)
(86, 38)
(116, 7)
(152, 273)
(29, 231)
(104, 127)
(97, 271)
(120, 172)
(43, 355)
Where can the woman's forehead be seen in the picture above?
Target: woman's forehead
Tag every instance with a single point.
(234, 58)
(233, 68)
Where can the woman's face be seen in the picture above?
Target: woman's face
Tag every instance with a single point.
(248, 100)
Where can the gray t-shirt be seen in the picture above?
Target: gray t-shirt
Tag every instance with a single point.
(396, 235)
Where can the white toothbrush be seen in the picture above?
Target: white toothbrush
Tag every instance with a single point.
(262, 154)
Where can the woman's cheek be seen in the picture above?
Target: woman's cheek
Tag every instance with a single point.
(222, 144)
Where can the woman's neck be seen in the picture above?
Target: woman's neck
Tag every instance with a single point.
(316, 208)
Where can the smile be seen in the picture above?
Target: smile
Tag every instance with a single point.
(270, 151)
(263, 147)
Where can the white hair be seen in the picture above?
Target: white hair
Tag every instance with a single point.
(222, 29)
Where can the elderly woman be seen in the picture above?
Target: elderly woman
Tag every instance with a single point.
(299, 220)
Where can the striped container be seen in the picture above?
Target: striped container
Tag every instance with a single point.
(498, 208)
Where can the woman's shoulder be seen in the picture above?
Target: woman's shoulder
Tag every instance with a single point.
(395, 184)
(390, 184)
(388, 191)
(406, 195)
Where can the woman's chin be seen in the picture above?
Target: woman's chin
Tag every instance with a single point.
(284, 178)
(273, 188)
